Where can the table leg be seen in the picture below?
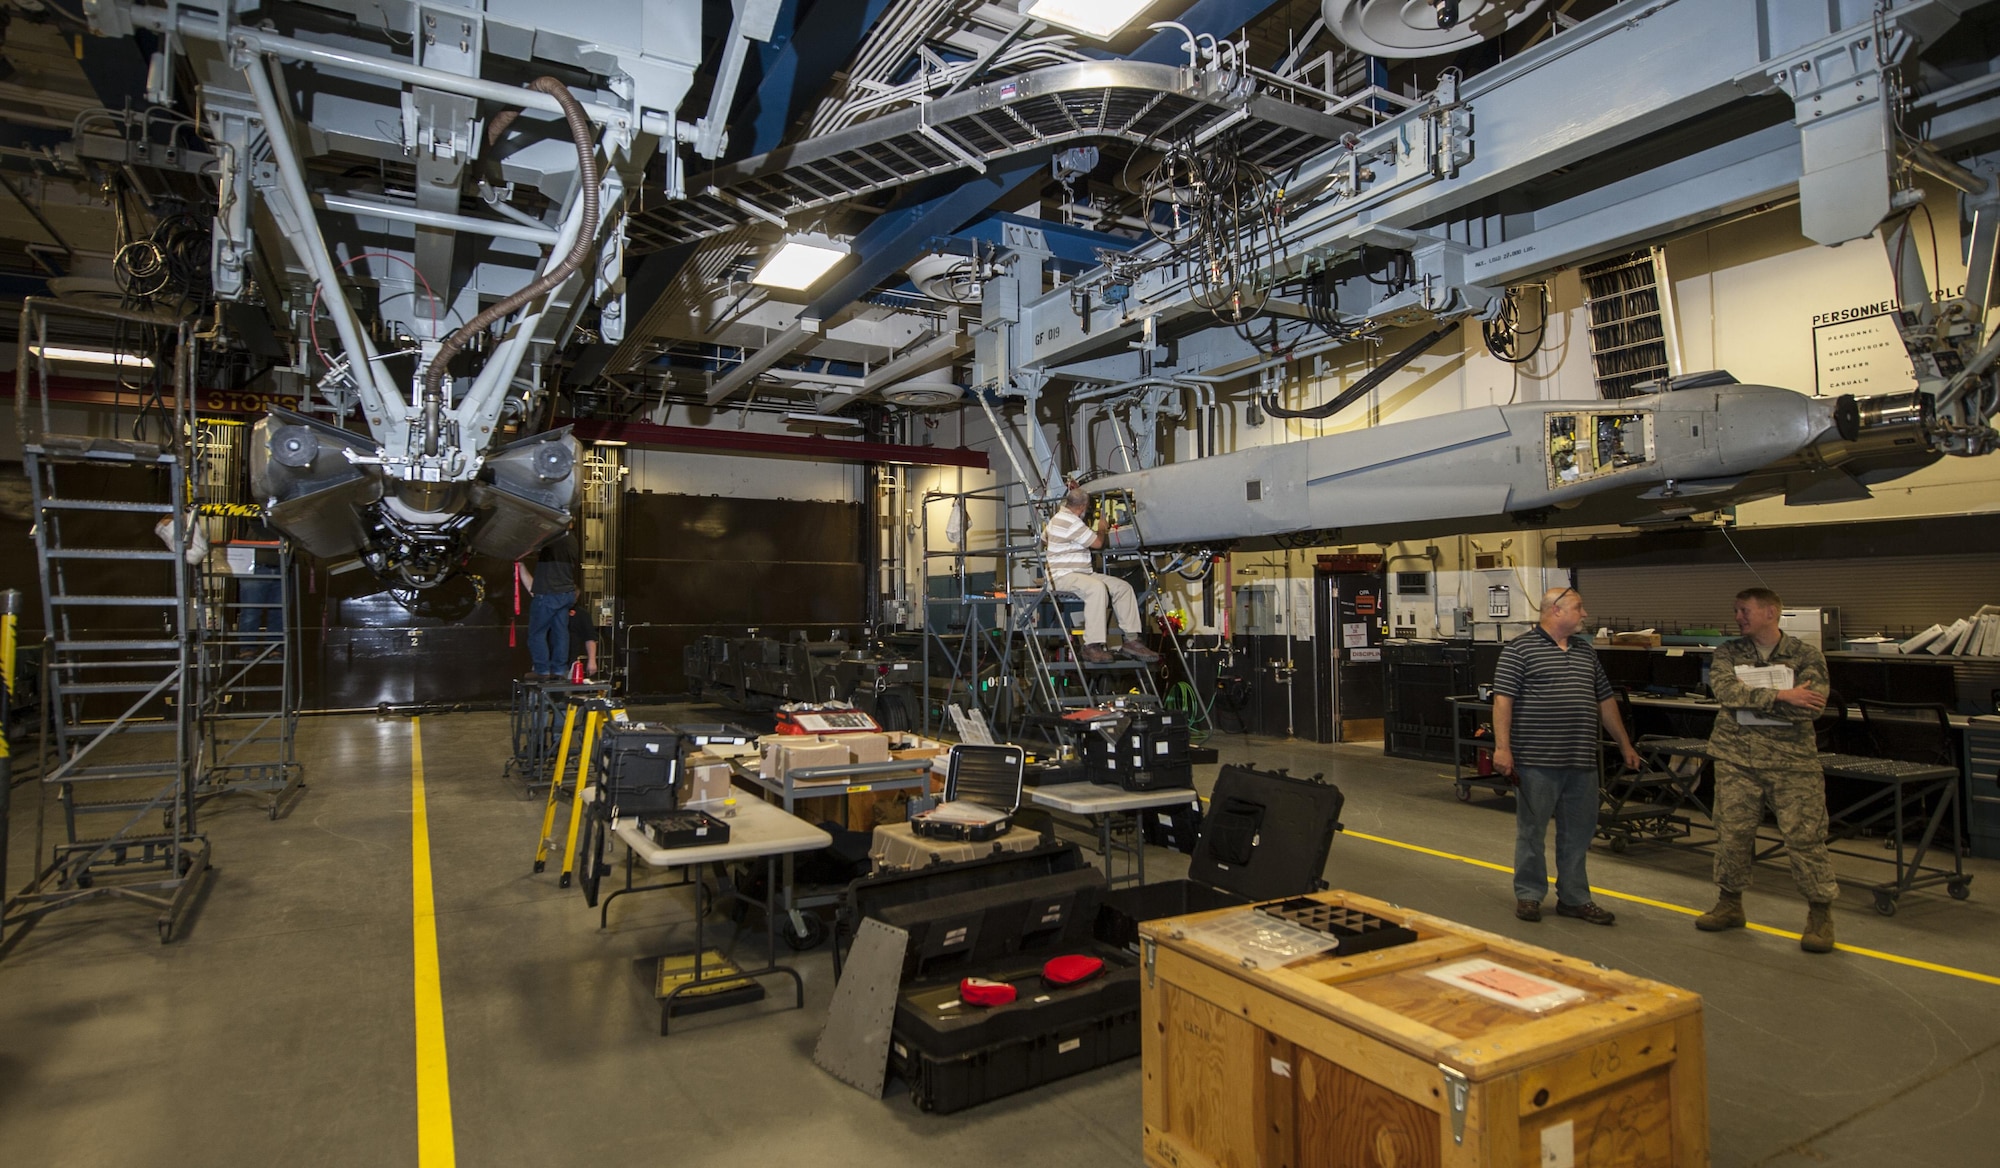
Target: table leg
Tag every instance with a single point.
(1139, 843)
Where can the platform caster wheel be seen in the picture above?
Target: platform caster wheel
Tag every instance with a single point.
(1619, 843)
(84, 880)
(1463, 792)
(799, 942)
(1959, 889)
(1885, 904)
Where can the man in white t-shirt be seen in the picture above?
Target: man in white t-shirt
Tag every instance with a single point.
(1070, 540)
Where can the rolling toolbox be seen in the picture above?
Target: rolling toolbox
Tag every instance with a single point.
(1266, 836)
(982, 791)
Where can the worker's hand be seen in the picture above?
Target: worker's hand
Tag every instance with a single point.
(1802, 697)
(1632, 759)
(1503, 760)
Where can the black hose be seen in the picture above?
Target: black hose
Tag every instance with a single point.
(586, 242)
(1375, 377)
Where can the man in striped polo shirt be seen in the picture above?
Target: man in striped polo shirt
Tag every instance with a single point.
(1549, 697)
(1070, 541)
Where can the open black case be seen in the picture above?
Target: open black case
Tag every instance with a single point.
(982, 791)
(1266, 836)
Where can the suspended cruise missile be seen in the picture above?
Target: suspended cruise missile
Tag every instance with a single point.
(1705, 443)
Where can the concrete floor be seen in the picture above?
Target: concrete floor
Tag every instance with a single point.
(279, 1029)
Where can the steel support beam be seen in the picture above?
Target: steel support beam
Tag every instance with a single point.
(726, 441)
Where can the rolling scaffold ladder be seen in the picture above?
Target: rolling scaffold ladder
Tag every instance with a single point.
(113, 533)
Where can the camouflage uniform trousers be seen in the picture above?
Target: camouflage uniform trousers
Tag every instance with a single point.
(1797, 794)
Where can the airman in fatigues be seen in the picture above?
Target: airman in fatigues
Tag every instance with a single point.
(1765, 752)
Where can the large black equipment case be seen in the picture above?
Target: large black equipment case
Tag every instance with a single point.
(638, 764)
(985, 779)
(1266, 836)
(955, 1056)
(1149, 753)
(999, 918)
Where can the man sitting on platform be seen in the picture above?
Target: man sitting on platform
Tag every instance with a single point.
(1070, 541)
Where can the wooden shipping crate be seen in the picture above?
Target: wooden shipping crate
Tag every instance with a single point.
(1367, 1062)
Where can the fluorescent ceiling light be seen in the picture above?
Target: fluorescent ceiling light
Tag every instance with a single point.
(799, 262)
(1100, 19)
(91, 356)
(818, 420)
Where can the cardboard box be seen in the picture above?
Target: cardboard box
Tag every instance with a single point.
(1300, 1062)
(704, 779)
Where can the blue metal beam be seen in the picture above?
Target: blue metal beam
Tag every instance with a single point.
(1076, 244)
(886, 246)
(796, 69)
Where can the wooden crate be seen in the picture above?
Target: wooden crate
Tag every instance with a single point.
(1357, 1062)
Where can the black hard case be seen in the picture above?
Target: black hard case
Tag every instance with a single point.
(954, 1057)
(1266, 836)
(999, 918)
(686, 829)
(1150, 753)
(638, 764)
(987, 775)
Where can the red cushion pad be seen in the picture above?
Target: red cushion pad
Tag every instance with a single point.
(977, 991)
(1071, 968)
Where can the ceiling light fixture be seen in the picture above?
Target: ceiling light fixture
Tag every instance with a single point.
(1098, 19)
(799, 261)
(822, 421)
(91, 356)
(608, 442)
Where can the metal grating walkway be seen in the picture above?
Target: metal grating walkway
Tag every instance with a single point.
(1132, 101)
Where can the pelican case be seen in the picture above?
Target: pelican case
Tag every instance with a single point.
(638, 764)
(1148, 752)
(1266, 836)
(953, 1055)
(982, 791)
(687, 828)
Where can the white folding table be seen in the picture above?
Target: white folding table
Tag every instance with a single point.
(1101, 805)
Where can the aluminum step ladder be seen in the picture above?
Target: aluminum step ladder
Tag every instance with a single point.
(119, 730)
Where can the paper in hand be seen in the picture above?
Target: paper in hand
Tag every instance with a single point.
(1762, 677)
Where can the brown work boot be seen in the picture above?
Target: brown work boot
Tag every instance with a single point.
(1137, 651)
(1818, 935)
(1727, 914)
(1095, 655)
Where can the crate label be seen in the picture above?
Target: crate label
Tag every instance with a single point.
(858, 788)
(1066, 1047)
(1159, 748)
(1281, 1068)
(951, 1005)
(1559, 1145)
(1165, 819)
(1043, 998)
(955, 936)
(902, 1051)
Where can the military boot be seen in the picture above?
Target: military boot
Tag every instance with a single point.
(1727, 914)
(1818, 935)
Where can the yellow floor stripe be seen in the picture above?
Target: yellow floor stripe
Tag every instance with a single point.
(435, 1148)
(1877, 954)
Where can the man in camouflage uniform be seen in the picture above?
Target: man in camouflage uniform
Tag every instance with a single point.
(1765, 751)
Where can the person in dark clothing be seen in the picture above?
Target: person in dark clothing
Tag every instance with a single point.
(1550, 695)
(552, 584)
(583, 635)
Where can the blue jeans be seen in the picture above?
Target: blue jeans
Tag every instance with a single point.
(548, 632)
(1569, 794)
(263, 601)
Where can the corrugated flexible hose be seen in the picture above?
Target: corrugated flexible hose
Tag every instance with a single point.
(586, 240)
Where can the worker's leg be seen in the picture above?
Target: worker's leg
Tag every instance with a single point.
(1798, 798)
(1088, 587)
(1739, 808)
(1534, 803)
(1125, 606)
(1576, 826)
